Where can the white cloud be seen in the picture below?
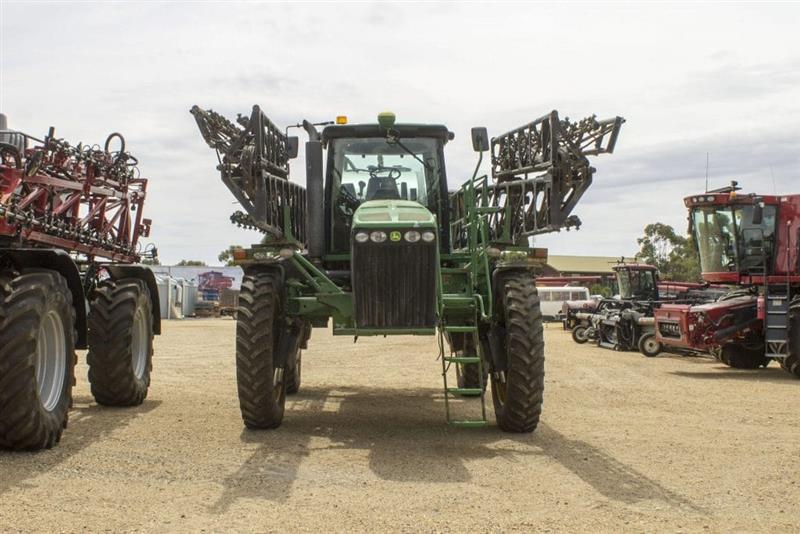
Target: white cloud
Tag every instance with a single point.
(689, 79)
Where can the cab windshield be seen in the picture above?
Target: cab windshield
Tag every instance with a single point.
(637, 284)
(377, 168)
(729, 241)
(373, 168)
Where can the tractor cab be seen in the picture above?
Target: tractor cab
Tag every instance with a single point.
(637, 282)
(383, 168)
(735, 234)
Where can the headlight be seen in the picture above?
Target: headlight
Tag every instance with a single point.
(412, 236)
(362, 237)
(428, 236)
(377, 236)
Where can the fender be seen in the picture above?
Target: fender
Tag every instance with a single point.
(145, 274)
(61, 262)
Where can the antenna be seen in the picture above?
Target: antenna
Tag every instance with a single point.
(772, 173)
(706, 172)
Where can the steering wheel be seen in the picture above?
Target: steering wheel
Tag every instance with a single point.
(392, 173)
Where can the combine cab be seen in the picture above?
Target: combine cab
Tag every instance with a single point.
(70, 224)
(750, 243)
(377, 246)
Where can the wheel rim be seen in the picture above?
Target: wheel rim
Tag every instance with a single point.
(651, 345)
(277, 382)
(499, 385)
(139, 344)
(51, 360)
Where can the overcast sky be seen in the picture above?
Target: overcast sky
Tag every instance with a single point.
(689, 79)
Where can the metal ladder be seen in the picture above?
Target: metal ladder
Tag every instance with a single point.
(776, 322)
(776, 307)
(452, 391)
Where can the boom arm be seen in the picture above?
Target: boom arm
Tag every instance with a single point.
(254, 165)
(540, 171)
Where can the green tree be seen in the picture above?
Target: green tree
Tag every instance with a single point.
(150, 261)
(226, 256)
(191, 263)
(600, 289)
(674, 255)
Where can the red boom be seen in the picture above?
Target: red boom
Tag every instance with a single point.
(81, 199)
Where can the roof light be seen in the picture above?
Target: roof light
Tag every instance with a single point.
(341, 119)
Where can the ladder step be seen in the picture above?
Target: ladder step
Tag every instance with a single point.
(460, 329)
(465, 391)
(469, 423)
(462, 359)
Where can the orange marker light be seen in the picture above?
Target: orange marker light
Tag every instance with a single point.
(341, 119)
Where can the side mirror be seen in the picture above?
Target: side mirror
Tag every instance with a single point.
(480, 139)
(292, 146)
(758, 213)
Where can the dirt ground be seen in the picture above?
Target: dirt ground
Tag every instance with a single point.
(626, 443)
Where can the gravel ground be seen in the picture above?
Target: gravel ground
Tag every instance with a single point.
(626, 443)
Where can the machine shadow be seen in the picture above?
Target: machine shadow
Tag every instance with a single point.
(770, 374)
(88, 424)
(408, 441)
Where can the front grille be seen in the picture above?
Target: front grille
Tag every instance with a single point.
(394, 284)
(670, 330)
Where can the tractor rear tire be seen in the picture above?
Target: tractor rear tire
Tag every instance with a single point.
(649, 345)
(742, 357)
(791, 364)
(120, 342)
(518, 393)
(579, 334)
(37, 358)
(261, 383)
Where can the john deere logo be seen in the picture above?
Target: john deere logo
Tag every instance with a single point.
(395, 236)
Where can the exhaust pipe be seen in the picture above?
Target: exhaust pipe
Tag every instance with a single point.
(315, 192)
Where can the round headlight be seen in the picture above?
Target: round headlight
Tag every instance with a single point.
(428, 236)
(412, 236)
(377, 236)
(709, 199)
(362, 237)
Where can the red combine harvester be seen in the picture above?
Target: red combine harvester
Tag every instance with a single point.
(750, 243)
(70, 223)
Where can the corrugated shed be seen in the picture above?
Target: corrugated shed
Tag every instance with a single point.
(567, 265)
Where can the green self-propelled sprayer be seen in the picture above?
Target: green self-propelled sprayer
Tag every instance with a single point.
(377, 244)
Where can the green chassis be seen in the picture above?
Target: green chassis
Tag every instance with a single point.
(463, 278)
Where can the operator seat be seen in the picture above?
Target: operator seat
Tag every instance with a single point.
(382, 188)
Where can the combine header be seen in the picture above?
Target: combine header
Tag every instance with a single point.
(752, 244)
(70, 224)
(377, 244)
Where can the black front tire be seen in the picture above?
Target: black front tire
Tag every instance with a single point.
(518, 393)
(120, 342)
(259, 376)
(27, 421)
(743, 357)
(791, 364)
